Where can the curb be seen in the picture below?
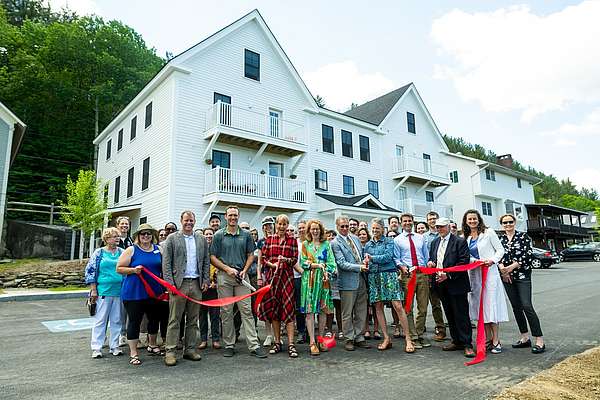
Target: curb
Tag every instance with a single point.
(44, 296)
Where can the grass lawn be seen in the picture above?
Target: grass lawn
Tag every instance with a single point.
(20, 264)
(67, 288)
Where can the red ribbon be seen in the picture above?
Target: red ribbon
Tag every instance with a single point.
(412, 283)
(260, 293)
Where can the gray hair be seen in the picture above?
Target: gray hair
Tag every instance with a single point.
(378, 221)
(341, 218)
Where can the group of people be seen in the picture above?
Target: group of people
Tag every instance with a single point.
(351, 272)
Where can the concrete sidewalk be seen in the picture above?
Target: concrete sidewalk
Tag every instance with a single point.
(40, 294)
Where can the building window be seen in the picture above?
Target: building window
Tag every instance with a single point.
(410, 122)
(133, 130)
(454, 176)
(120, 140)
(348, 185)
(519, 185)
(490, 175)
(486, 208)
(374, 188)
(130, 182)
(143, 220)
(148, 119)
(146, 173)
(347, 144)
(429, 196)
(223, 98)
(221, 159)
(251, 65)
(320, 179)
(275, 123)
(327, 134)
(108, 149)
(117, 189)
(365, 149)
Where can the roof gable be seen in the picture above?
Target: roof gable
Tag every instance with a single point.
(375, 111)
(366, 201)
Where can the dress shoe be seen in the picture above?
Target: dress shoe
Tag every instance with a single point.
(440, 336)
(349, 345)
(453, 347)
(363, 344)
(228, 352)
(469, 353)
(170, 359)
(522, 344)
(538, 349)
(192, 356)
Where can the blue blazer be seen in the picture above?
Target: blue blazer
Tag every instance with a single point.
(347, 266)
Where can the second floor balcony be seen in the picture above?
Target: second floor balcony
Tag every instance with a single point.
(555, 225)
(420, 208)
(421, 170)
(268, 131)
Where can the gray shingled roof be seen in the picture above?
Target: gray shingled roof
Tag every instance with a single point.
(351, 200)
(376, 110)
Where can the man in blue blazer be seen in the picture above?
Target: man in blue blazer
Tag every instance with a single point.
(347, 251)
(448, 250)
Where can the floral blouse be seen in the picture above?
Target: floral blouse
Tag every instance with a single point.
(518, 249)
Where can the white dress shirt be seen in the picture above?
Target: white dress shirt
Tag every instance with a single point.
(191, 268)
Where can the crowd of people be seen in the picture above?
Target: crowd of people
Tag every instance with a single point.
(349, 274)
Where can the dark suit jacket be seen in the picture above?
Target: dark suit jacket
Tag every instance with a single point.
(457, 253)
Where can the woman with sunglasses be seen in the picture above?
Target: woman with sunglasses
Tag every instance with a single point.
(137, 300)
(170, 227)
(515, 269)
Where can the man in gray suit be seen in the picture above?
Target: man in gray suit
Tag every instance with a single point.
(185, 264)
(353, 288)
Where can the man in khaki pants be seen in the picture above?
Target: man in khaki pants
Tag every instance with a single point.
(185, 264)
(232, 253)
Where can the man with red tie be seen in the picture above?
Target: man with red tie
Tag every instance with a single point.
(410, 250)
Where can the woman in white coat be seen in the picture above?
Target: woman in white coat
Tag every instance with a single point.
(485, 245)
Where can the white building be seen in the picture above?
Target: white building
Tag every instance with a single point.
(12, 130)
(230, 121)
(491, 188)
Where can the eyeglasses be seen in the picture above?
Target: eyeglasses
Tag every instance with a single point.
(145, 233)
(508, 222)
(163, 235)
(344, 226)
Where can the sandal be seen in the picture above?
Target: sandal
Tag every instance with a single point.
(314, 350)
(135, 360)
(154, 351)
(410, 346)
(384, 345)
(396, 333)
(292, 352)
(322, 347)
(276, 348)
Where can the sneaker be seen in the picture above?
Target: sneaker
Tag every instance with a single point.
(122, 340)
(268, 341)
(96, 354)
(228, 352)
(496, 349)
(117, 352)
(417, 344)
(424, 342)
(259, 352)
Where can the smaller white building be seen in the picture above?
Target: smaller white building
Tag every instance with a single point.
(494, 189)
(12, 130)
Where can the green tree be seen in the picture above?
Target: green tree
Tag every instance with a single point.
(579, 202)
(85, 207)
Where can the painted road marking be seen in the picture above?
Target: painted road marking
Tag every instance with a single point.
(68, 325)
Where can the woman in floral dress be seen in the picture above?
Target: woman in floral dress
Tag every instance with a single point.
(318, 264)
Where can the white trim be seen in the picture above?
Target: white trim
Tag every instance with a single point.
(9, 115)
(372, 198)
(482, 164)
(350, 120)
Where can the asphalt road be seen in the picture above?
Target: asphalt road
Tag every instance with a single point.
(35, 363)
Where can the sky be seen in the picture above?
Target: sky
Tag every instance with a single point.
(516, 77)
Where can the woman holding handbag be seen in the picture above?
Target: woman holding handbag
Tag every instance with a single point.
(105, 292)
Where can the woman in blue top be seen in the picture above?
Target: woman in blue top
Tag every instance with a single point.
(383, 282)
(137, 301)
(105, 290)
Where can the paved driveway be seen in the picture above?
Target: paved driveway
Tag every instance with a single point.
(35, 363)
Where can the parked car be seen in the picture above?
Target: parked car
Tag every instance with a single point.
(581, 251)
(543, 258)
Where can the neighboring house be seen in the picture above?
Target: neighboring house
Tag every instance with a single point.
(12, 130)
(494, 189)
(554, 227)
(230, 121)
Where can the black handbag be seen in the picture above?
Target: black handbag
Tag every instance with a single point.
(91, 305)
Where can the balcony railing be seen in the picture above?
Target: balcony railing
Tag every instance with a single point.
(555, 225)
(421, 208)
(268, 125)
(406, 164)
(249, 184)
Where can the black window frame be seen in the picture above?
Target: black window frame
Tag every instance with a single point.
(347, 150)
(327, 143)
(109, 149)
(490, 175)
(146, 173)
(223, 97)
(454, 176)
(148, 116)
(321, 177)
(130, 178)
(349, 185)
(373, 185)
(133, 128)
(143, 220)
(117, 192)
(365, 151)
(411, 124)
(486, 208)
(221, 155)
(429, 195)
(519, 183)
(120, 140)
(252, 65)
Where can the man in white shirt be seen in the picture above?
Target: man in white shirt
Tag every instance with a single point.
(434, 298)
